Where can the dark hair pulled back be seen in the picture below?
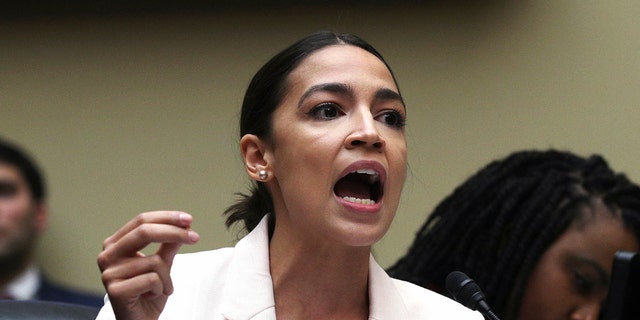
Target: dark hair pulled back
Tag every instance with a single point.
(264, 94)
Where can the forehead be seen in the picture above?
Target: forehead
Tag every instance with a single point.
(345, 64)
(599, 232)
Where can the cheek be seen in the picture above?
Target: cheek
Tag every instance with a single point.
(14, 208)
(397, 144)
(548, 288)
(398, 162)
(314, 154)
(296, 143)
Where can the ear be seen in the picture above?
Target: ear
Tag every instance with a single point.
(41, 218)
(256, 157)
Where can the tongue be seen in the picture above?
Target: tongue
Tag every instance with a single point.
(347, 187)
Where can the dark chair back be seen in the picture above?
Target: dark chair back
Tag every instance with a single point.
(32, 309)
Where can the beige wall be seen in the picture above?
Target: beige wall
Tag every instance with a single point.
(128, 114)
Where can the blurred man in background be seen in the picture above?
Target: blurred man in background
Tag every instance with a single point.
(23, 219)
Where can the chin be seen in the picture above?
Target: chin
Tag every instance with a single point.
(361, 236)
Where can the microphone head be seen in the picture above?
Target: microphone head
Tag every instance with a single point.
(464, 289)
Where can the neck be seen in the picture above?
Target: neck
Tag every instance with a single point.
(334, 279)
(11, 267)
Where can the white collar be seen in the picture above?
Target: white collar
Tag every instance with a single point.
(259, 303)
(25, 286)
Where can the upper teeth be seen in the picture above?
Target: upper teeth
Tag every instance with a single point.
(373, 175)
(366, 171)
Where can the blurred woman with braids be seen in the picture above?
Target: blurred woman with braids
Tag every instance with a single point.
(536, 230)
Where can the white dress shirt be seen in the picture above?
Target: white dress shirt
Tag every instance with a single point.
(25, 286)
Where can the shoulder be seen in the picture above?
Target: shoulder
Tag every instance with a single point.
(397, 299)
(50, 291)
(423, 303)
(203, 269)
(202, 261)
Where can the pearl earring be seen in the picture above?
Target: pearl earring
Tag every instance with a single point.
(262, 174)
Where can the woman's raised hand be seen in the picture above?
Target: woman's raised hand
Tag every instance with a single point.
(138, 285)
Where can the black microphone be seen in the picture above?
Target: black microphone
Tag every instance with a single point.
(467, 292)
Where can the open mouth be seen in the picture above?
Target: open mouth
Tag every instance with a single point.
(361, 186)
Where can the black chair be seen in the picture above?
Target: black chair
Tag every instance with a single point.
(32, 309)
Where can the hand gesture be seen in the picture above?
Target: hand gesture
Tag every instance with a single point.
(138, 285)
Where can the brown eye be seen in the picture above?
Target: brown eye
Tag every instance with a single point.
(8, 189)
(325, 111)
(392, 118)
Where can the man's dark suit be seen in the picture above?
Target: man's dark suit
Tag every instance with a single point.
(49, 291)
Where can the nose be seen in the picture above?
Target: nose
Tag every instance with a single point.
(364, 132)
(586, 312)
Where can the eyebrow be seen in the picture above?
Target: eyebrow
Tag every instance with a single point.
(343, 89)
(388, 94)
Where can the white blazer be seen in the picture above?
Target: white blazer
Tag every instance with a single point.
(235, 284)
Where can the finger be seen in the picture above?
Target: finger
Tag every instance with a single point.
(133, 267)
(142, 236)
(148, 285)
(168, 250)
(176, 218)
(145, 234)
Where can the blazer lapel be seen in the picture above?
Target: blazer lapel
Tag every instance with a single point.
(385, 300)
(248, 292)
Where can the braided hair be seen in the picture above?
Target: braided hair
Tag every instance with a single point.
(497, 225)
